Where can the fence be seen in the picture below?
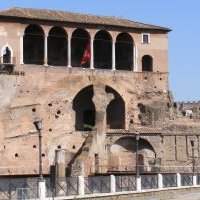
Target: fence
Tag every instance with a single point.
(27, 188)
(122, 183)
(18, 188)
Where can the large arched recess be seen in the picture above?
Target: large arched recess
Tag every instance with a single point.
(57, 47)
(123, 154)
(103, 50)
(115, 112)
(124, 52)
(80, 45)
(33, 50)
(84, 109)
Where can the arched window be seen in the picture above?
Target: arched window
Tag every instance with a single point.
(57, 47)
(84, 109)
(33, 45)
(115, 112)
(80, 45)
(124, 52)
(103, 50)
(147, 63)
(6, 55)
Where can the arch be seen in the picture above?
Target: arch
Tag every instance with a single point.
(124, 52)
(80, 48)
(7, 54)
(84, 109)
(103, 50)
(115, 111)
(33, 49)
(123, 154)
(147, 63)
(57, 47)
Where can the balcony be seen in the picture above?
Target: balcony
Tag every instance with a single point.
(7, 65)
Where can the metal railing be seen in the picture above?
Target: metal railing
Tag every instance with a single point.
(125, 183)
(18, 188)
(149, 181)
(97, 184)
(169, 180)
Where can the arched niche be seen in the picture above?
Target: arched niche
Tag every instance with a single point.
(80, 48)
(103, 50)
(115, 112)
(84, 109)
(124, 52)
(123, 155)
(147, 63)
(57, 47)
(33, 49)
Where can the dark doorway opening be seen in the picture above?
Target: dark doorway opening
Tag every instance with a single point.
(103, 50)
(33, 45)
(124, 52)
(147, 63)
(115, 112)
(80, 45)
(84, 109)
(57, 47)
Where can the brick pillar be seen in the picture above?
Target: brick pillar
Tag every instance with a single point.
(112, 184)
(160, 181)
(42, 190)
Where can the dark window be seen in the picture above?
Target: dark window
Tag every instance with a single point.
(34, 45)
(124, 52)
(145, 38)
(103, 50)
(147, 63)
(57, 47)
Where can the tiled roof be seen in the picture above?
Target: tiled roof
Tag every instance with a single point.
(62, 16)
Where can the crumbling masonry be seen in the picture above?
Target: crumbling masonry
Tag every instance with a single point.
(93, 106)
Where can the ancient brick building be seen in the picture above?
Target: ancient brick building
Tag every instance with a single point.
(98, 84)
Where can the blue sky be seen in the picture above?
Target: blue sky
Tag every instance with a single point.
(180, 15)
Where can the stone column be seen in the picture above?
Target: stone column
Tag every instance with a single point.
(101, 100)
(135, 56)
(113, 55)
(46, 49)
(21, 48)
(69, 49)
(92, 52)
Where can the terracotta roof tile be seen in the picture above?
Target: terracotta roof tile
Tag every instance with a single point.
(62, 16)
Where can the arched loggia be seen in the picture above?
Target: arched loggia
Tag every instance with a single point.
(80, 48)
(103, 50)
(57, 47)
(33, 49)
(124, 52)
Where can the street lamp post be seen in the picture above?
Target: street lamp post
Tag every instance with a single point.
(193, 159)
(38, 126)
(137, 147)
